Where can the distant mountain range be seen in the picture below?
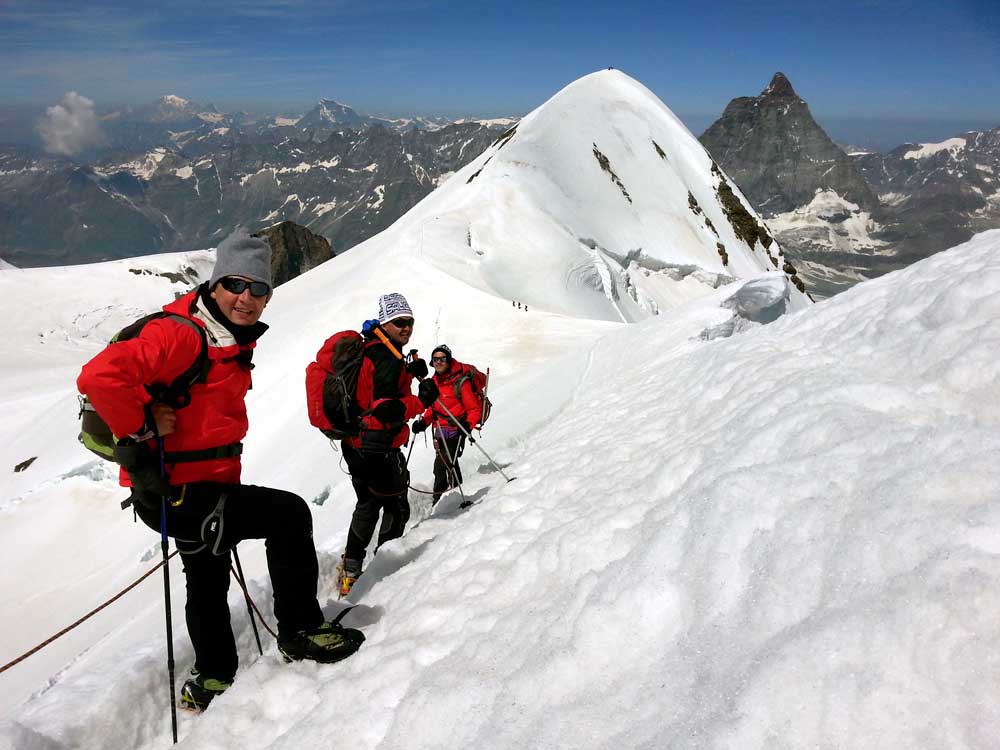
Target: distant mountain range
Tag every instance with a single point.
(845, 214)
(179, 175)
(173, 121)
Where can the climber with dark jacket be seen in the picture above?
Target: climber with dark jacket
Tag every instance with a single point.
(384, 397)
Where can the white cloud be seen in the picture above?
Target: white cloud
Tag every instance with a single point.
(70, 126)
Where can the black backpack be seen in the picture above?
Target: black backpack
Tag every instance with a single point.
(95, 434)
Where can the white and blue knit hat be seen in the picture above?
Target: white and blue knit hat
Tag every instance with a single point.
(392, 306)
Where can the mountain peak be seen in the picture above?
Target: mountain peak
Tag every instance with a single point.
(779, 86)
(759, 138)
(334, 103)
(174, 101)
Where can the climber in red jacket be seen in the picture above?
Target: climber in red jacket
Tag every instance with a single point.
(208, 511)
(457, 394)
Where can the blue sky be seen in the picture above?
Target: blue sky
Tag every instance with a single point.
(881, 59)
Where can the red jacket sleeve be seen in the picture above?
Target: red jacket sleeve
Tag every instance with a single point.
(114, 379)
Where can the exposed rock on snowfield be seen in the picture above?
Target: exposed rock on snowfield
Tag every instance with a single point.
(294, 250)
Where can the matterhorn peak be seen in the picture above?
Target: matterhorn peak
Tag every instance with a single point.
(779, 86)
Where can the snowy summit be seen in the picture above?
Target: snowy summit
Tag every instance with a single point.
(741, 521)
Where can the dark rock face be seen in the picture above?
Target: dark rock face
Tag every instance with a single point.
(846, 217)
(747, 228)
(771, 146)
(294, 250)
(347, 188)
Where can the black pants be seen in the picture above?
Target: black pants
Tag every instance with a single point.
(380, 481)
(207, 520)
(447, 473)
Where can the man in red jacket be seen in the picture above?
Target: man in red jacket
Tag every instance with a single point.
(378, 469)
(449, 441)
(209, 511)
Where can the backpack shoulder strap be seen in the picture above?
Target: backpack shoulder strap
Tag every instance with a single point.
(466, 376)
(198, 371)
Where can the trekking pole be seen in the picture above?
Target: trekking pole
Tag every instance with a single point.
(452, 466)
(166, 589)
(246, 595)
(473, 441)
(395, 351)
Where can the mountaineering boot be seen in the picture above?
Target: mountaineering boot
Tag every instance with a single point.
(348, 573)
(327, 643)
(199, 691)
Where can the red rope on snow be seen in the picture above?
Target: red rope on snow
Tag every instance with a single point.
(87, 616)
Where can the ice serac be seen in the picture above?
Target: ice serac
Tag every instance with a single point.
(598, 204)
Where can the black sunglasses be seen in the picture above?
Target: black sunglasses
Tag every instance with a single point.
(439, 359)
(238, 286)
(402, 322)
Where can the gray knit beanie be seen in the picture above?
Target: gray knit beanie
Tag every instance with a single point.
(242, 255)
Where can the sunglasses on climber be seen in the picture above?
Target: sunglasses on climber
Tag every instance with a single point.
(238, 286)
(402, 322)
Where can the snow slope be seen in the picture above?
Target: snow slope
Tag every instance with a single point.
(787, 537)
(721, 534)
(594, 205)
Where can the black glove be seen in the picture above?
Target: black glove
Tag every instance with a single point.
(419, 426)
(428, 392)
(142, 467)
(417, 368)
(149, 480)
(390, 411)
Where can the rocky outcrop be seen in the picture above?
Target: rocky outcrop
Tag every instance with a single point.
(294, 250)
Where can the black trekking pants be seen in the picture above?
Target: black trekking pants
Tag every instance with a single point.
(207, 520)
(380, 481)
(447, 473)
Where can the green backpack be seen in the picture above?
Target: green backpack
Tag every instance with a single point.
(95, 434)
